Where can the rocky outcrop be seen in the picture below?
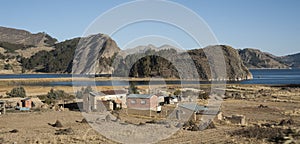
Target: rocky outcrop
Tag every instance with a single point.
(95, 55)
(213, 70)
(256, 59)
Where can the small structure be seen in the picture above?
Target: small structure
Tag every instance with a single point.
(111, 104)
(105, 100)
(185, 110)
(171, 99)
(25, 104)
(236, 119)
(142, 102)
(2, 107)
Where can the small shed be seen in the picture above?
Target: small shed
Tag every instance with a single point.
(26, 103)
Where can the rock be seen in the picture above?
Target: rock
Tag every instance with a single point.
(107, 118)
(14, 131)
(286, 122)
(57, 124)
(68, 131)
(262, 106)
(83, 121)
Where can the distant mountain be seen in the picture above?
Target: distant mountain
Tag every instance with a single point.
(22, 51)
(191, 64)
(143, 49)
(15, 44)
(291, 60)
(22, 37)
(256, 59)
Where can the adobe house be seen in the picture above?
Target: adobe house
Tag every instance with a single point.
(142, 102)
(109, 100)
(117, 96)
(110, 104)
(26, 103)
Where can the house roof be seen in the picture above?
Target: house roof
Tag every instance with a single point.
(108, 92)
(26, 99)
(142, 96)
(193, 107)
(113, 92)
(94, 94)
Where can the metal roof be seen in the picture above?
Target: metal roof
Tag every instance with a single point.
(142, 96)
(193, 107)
(26, 99)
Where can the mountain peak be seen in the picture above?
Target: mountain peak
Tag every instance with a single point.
(17, 36)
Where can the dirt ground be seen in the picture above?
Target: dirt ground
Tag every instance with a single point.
(260, 105)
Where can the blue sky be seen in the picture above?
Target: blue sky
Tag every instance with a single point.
(269, 25)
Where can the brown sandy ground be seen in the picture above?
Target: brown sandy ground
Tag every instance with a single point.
(281, 103)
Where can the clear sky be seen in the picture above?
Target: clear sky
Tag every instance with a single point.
(269, 25)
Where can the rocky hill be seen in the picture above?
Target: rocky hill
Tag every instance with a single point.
(22, 51)
(16, 44)
(22, 37)
(169, 63)
(291, 60)
(256, 59)
(95, 55)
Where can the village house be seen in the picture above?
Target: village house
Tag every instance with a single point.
(186, 111)
(105, 100)
(25, 104)
(142, 102)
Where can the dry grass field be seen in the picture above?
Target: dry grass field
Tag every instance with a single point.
(261, 105)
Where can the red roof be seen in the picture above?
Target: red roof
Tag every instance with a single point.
(112, 92)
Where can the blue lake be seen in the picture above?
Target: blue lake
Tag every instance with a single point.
(274, 76)
(265, 76)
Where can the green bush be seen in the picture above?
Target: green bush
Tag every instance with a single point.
(203, 96)
(55, 95)
(7, 67)
(17, 92)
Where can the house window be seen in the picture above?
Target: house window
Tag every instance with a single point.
(143, 101)
(133, 101)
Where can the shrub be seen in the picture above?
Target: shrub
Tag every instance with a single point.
(54, 95)
(203, 96)
(17, 92)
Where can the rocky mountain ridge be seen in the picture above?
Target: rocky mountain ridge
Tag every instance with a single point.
(256, 59)
(102, 53)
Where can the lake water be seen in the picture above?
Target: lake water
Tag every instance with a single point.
(266, 76)
(274, 76)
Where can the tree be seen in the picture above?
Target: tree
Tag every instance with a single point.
(55, 95)
(203, 96)
(17, 92)
(177, 92)
(133, 89)
(7, 67)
